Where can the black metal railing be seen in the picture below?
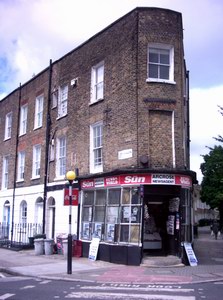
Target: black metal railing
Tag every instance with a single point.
(20, 235)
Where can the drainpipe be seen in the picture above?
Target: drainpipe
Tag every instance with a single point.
(47, 139)
(188, 116)
(15, 166)
(137, 87)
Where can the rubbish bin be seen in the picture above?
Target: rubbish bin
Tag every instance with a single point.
(60, 241)
(48, 245)
(65, 247)
(39, 246)
(77, 248)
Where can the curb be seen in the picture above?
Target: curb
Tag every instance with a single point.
(71, 279)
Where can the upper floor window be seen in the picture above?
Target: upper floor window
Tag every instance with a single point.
(38, 112)
(61, 157)
(62, 101)
(5, 172)
(8, 125)
(96, 137)
(23, 119)
(160, 63)
(21, 165)
(36, 161)
(97, 82)
(54, 98)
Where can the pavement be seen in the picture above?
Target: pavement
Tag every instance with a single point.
(156, 270)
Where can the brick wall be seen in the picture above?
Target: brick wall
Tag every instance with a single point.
(136, 114)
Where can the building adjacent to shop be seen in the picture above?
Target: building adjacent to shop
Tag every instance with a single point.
(117, 109)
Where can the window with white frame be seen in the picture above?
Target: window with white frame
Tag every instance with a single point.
(23, 119)
(97, 82)
(23, 213)
(62, 101)
(5, 172)
(38, 112)
(8, 125)
(52, 150)
(61, 157)
(21, 165)
(54, 98)
(160, 63)
(96, 139)
(36, 161)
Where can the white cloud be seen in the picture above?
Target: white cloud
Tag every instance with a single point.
(33, 32)
(205, 123)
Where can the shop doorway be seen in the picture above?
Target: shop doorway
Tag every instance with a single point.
(159, 236)
(155, 233)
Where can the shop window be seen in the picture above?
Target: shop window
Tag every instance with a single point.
(88, 198)
(114, 196)
(88, 201)
(99, 213)
(100, 197)
(130, 216)
(113, 215)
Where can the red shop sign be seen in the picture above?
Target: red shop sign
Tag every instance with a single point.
(74, 197)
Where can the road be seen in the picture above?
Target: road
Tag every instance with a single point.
(24, 288)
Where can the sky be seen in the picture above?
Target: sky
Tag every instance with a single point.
(34, 31)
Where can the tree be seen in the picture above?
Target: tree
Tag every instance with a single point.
(219, 138)
(212, 182)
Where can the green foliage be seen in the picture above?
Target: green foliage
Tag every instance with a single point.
(212, 183)
(219, 138)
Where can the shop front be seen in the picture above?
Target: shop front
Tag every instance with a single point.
(135, 215)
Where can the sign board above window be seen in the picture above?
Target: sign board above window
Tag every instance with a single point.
(124, 154)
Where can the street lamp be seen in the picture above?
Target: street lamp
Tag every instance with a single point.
(70, 176)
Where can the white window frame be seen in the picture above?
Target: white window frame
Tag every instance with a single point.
(97, 82)
(159, 48)
(8, 126)
(23, 119)
(38, 112)
(36, 161)
(61, 157)
(62, 101)
(96, 147)
(21, 166)
(5, 172)
(54, 99)
(23, 213)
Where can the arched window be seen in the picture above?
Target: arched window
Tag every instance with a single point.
(39, 210)
(6, 218)
(23, 212)
(51, 213)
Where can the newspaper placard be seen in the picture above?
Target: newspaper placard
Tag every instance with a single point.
(93, 251)
(190, 254)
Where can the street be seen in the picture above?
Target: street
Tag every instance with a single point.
(20, 288)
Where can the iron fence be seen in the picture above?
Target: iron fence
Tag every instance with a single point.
(19, 235)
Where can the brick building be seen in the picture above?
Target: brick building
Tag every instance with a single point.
(116, 108)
